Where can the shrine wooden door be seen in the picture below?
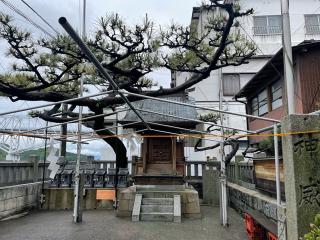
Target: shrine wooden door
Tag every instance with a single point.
(159, 156)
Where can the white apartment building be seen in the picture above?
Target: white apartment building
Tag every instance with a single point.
(264, 27)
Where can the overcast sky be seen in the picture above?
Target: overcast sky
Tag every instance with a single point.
(162, 12)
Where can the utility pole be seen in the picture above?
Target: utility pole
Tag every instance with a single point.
(287, 56)
(77, 213)
(223, 177)
(64, 131)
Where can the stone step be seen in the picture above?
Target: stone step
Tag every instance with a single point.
(157, 201)
(156, 216)
(157, 208)
(157, 194)
(136, 208)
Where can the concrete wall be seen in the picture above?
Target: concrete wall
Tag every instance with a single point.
(62, 199)
(270, 44)
(265, 207)
(18, 198)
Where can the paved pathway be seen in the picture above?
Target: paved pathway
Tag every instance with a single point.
(104, 225)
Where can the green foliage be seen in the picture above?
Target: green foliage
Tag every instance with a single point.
(24, 156)
(210, 117)
(267, 146)
(48, 69)
(314, 233)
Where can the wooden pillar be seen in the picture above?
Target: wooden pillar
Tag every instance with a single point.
(174, 155)
(144, 154)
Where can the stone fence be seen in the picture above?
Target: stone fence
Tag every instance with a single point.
(241, 173)
(14, 173)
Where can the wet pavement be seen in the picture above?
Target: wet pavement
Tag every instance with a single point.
(104, 225)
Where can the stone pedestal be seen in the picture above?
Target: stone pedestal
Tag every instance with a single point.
(190, 206)
(210, 185)
(301, 154)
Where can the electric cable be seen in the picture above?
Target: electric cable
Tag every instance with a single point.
(41, 17)
(13, 8)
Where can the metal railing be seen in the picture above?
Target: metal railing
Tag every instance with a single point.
(267, 30)
(312, 29)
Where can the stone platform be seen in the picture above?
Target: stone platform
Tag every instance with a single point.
(190, 207)
(103, 224)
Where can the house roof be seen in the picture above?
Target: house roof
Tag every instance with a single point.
(164, 108)
(272, 68)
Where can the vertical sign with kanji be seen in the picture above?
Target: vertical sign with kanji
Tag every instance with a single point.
(301, 155)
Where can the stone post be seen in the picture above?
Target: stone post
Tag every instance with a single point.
(237, 168)
(210, 185)
(301, 154)
(35, 160)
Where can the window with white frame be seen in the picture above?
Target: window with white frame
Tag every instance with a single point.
(267, 25)
(231, 84)
(312, 23)
(276, 95)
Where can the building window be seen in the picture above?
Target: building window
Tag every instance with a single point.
(231, 84)
(263, 102)
(312, 22)
(259, 104)
(255, 106)
(276, 95)
(267, 25)
(269, 99)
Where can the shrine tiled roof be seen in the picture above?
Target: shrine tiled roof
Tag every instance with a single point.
(170, 112)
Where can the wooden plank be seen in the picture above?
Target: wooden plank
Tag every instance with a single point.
(159, 168)
(106, 194)
(144, 155)
(189, 170)
(265, 169)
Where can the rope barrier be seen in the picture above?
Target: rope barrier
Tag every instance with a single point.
(168, 135)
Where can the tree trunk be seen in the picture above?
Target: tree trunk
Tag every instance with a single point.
(115, 143)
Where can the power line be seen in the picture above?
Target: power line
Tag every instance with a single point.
(13, 8)
(40, 17)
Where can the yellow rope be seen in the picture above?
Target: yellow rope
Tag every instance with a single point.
(209, 135)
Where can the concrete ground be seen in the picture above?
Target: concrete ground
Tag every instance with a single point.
(104, 225)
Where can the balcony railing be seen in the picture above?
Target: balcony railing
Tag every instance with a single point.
(267, 30)
(312, 29)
